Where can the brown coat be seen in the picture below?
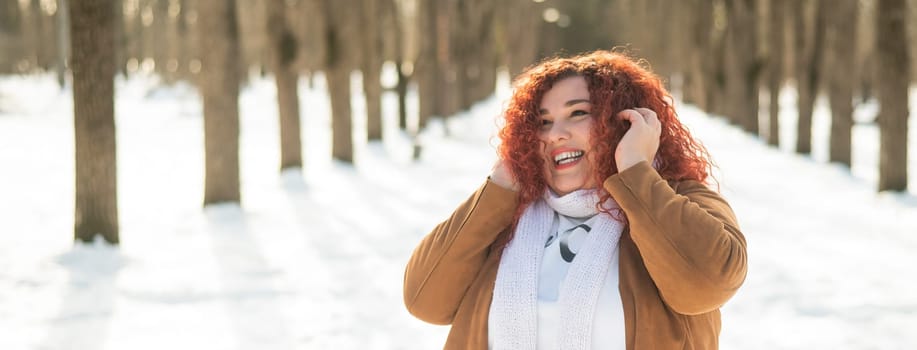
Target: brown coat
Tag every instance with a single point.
(681, 258)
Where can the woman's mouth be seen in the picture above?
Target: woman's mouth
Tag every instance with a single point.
(567, 159)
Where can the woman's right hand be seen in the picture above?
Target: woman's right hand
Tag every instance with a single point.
(501, 175)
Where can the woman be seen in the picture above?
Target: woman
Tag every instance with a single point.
(596, 230)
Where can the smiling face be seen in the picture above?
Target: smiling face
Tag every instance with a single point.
(566, 135)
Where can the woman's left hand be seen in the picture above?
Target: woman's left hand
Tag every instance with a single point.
(641, 141)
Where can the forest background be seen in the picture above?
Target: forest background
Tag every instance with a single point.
(825, 81)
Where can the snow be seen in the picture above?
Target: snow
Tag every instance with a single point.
(315, 259)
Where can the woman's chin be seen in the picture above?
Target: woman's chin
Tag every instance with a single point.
(561, 191)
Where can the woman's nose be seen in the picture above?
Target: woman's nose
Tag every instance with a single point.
(559, 132)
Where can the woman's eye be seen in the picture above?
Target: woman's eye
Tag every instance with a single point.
(546, 124)
(578, 112)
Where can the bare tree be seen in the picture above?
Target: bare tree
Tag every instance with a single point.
(63, 39)
(46, 34)
(472, 53)
(440, 70)
(371, 65)
(808, 33)
(162, 40)
(340, 34)
(775, 54)
(147, 36)
(121, 36)
(866, 50)
(169, 67)
(892, 88)
(283, 51)
(449, 79)
(699, 77)
(520, 19)
(10, 35)
(482, 68)
(94, 120)
(220, 89)
(664, 50)
(912, 37)
(399, 45)
(253, 41)
(187, 41)
(32, 21)
(743, 67)
(426, 66)
(131, 47)
(10, 17)
(840, 43)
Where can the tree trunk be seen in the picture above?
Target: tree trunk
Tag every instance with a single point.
(743, 68)
(402, 90)
(371, 67)
(341, 56)
(450, 76)
(47, 43)
(135, 39)
(698, 82)
(866, 51)
(675, 51)
(284, 48)
(185, 42)
(10, 17)
(94, 120)
(338, 78)
(63, 39)
(11, 40)
(912, 37)
(174, 41)
(483, 73)
(775, 67)
(662, 43)
(147, 35)
(521, 19)
(840, 42)
(892, 88)
(161, 42)
(471, 51)
(486, 79)
(808, 28)
(121, 31)
(220, 87)
(426, 67)
(717, 97)
(252, 38)
(399, 46)
(33, 33)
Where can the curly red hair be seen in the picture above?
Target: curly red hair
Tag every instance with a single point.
(616, 82)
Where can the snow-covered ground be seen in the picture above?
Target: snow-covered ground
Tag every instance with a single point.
(314, 260)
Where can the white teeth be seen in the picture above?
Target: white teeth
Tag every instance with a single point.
(567, 157)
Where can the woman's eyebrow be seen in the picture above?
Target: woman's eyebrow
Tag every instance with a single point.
(573, 102)
(566, 104)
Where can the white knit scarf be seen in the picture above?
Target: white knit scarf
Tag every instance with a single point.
(513, 311)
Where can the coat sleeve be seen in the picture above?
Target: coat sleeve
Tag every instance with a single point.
(448, 259)
(689, 239)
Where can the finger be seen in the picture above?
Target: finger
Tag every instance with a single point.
(652, 119)
(632, 116)
(647, 113)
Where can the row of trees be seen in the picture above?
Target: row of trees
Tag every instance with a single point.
(719, 54)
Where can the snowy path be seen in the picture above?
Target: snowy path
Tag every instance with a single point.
(315, 260)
